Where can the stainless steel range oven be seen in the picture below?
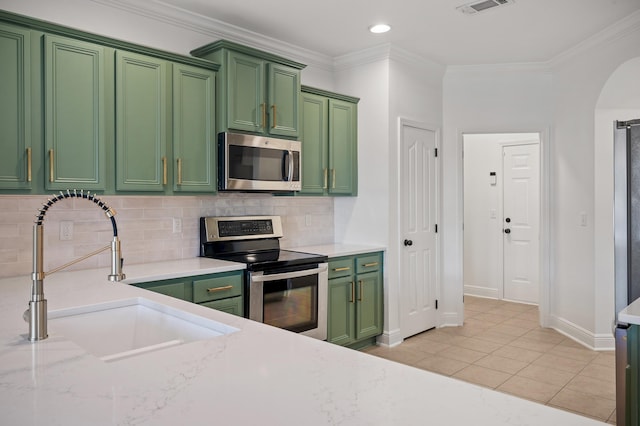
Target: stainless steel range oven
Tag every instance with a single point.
(283, 288)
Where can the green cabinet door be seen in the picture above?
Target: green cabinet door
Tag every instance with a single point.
(284, 100)
(230, 305)
(194, 139)
(343, 161)
(341, 311)
(369, 305)
(74, 99)
(246, 107)
(15, 109)
(141, 123)
(314, 136)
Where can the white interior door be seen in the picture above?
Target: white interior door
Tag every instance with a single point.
(521, 226)
(418, 230)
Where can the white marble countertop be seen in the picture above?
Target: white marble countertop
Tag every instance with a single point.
(337, 250)
(630, 314)
(257, 375)
(178, 268)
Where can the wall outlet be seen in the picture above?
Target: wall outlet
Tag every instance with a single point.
(66, 230)
(177, 225)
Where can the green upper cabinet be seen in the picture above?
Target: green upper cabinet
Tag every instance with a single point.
(194, 138)
(315, 144)
(343, 141)
(284, 97)
(245, 90)
(258, 92)
(141, 122)
(74, 101)
(329, 143)
(15, 109)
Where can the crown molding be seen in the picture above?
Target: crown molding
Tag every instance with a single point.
(216, 29)
(362, 57)
(616, 31)
(516, 67)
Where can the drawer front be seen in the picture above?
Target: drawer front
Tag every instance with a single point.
(340, 267)
(232, 305)
(368, 263)
(173, 288)
(217, 287)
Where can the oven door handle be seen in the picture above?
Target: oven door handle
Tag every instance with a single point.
(260, 277)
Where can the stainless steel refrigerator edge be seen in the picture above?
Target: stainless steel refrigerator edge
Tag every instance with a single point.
(627, 242)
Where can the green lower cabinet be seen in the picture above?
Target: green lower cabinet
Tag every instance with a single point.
(355, 308)
(232, 305)
(369, 305)
(221, 291)
(341, 311)
(179, 288)
(633, 376)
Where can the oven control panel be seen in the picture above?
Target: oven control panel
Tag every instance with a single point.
(234, 228)
(242, 228)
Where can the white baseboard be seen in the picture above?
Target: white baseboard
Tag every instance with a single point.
(450, 319)
(474, 290)
(390, 338)
(596, 342)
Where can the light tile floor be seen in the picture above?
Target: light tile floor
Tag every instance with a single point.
(501, 346)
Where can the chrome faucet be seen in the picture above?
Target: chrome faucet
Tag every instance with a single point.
(36, 315)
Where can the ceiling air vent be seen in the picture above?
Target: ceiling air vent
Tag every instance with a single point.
(481, 6)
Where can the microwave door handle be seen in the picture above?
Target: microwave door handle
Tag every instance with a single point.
(285, 166)
(288, 177)
(291, 160)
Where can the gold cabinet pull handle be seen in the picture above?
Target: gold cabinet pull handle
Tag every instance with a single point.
(51, 165)
(28, 164)
(213, 290)
(164, 170)
(273, 107)
(333, 178)
(344, 268)
(369, 265)
(353, 291)
(360, 295)
(325, 178)
(263, 106)
(179, 171)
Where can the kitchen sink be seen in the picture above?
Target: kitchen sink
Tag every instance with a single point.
(130, 327)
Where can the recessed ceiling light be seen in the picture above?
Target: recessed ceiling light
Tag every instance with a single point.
(379, 28)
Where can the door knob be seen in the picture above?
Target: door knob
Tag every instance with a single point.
(408, 243)
(508, 220)
(507, 231)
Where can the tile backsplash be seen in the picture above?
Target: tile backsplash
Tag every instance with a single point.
(145, 226)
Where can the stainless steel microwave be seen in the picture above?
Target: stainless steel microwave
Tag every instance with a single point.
(258, 163)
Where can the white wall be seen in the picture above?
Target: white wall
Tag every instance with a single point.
(491, 99)
(580, 302)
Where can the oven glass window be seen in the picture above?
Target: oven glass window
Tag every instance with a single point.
(251, 163)
(291, 304)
